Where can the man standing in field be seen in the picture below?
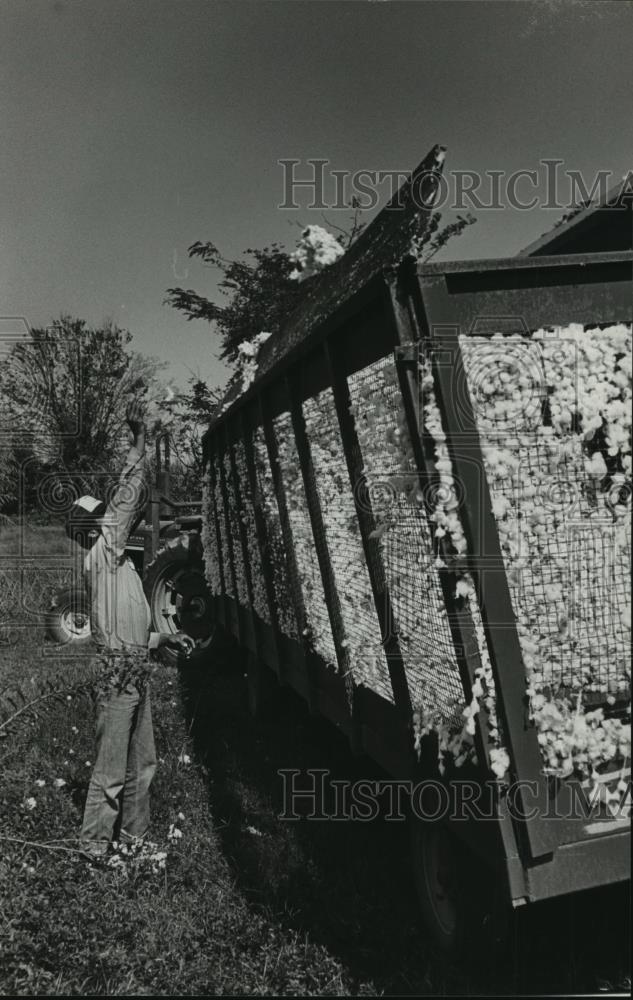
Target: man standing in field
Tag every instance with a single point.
(117, 805)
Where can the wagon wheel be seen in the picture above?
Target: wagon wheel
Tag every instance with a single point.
(178, 596)
(459, 896)
(436, 871)
(68, 618)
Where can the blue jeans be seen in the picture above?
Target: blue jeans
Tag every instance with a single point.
(117, 805)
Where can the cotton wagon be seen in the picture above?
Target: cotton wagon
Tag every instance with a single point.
(417, 514)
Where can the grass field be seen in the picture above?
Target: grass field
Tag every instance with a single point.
(31, 540)
(247, 903)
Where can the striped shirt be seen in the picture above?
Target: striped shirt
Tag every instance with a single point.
(120, 615)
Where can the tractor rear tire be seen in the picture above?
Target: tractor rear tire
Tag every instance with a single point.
(178, 596)
(68, 618)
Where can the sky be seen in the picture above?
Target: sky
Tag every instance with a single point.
(132, 129)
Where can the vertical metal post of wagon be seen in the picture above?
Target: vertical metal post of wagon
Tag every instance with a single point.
(460, 621)
(465, 642)
(289, 553)
(235, 605)
(323, 556)
(247, 624)
(371, 544)
(486, 561)
(246, 427)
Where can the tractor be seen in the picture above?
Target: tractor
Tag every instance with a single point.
(166, 550)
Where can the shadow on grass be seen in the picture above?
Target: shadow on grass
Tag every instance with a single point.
(349, 884)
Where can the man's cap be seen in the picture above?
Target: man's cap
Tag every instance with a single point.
(87, 504)
(84, 512)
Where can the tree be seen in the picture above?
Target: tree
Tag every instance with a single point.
(64, 392)
(189, 418)
(260, 291)
(437, 236)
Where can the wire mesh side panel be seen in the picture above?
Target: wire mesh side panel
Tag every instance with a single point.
(392, 485)
(362, 632)
(238, 558)
(554, 417)
(317, 617)
(247, 515)
(209, 539)
(221, 520)
(274, 539)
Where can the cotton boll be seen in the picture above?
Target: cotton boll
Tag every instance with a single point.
(500, 506)
(596, 466)
(463, 588)
(316, 250)
(499, 761)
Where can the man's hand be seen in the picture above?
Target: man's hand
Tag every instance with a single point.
(179, 643)
(135, 418)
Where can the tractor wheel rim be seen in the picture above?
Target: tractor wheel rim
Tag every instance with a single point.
(75, 623)
(170, 604)
(196, 607)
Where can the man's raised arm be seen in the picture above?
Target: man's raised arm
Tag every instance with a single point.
(129, 493)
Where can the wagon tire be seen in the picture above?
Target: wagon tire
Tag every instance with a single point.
(68, 618)
(459, 898)
(178, 597)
